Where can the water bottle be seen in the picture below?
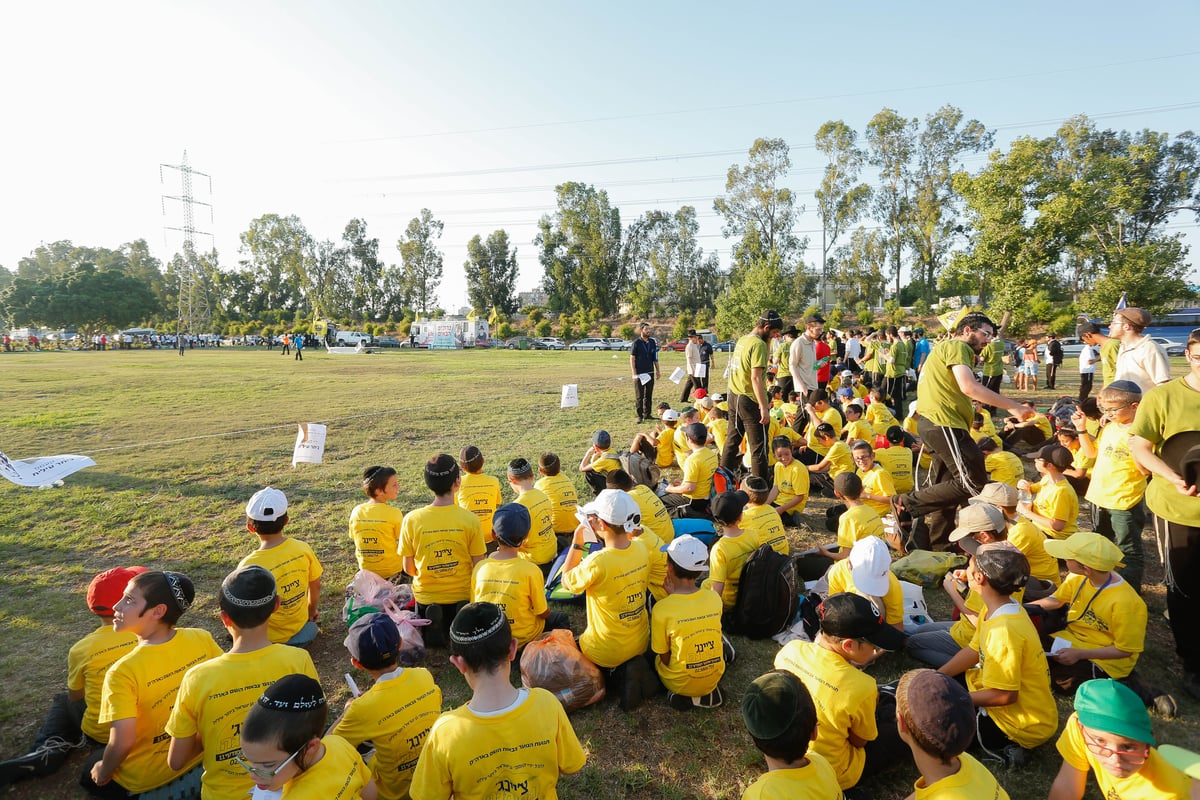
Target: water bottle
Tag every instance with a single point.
(1024, 497)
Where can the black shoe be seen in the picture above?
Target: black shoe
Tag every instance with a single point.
(637, 683)
(728, 650)
(681, 702)
(43, 761)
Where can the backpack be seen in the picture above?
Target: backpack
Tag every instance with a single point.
(723, 481)
(767, 595)
(641, 469)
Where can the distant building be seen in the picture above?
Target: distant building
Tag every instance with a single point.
(535, 297)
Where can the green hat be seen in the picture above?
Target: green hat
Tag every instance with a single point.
(1112, 707)
(772, 702)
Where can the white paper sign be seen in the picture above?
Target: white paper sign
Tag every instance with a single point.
(678, 375)
(310, 444)
(645, 377)
(570, 395)
(42, 471)
(701, 370)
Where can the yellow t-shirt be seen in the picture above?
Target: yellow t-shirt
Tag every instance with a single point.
(295, 566)
(688, 626)
(858, 522)
(142, 686)
(763, 522)
(657, 577)
(971, 782)
(541, 545)
(1108, 359)
(725, 562)
(749, 352)
(655, 516)
(878, 480)
(1164, 411)
(816, 781)
(1057, 501)
(606, 461)
(840, 459)
(792, 482)
(395, 714)
(339, 775)
(1081, 461)
(720, 431)
(1029, 539)
(859, 429)
(680, 445)
(829, 415)
(699, 468)
(375, 531)
(516, 752)
(939, 399)
(517, 586)
(898, 461)
(1154, 780)
(213, 700)
(1011, 658)
(480, 494)
(1004, 467)
(1116, 483)
(880, 417)
(1099, 617)
(841, 579)
(87, 663)
(615, 582)
(442, 540)
(563, 497)
(845, 698)
(665, 455)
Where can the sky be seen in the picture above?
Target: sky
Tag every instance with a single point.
(375, 110)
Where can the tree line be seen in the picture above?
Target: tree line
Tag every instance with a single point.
(1055, 225)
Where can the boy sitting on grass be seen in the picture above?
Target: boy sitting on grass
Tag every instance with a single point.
(513, 583)
(562, 494)
(868, 572)
(73, 719)
(1109, 735)
(477, 493)
(762, 519)
(1055, 506)
(789, 494)
(856, 426)
(519, 738)
(1044, 576)
(655, 517)
(395, 713)
(690, 495)
(1001, 465)
(781, 718)
(1012, 682)
(936, 719)
(614, 581)
(599, 460)
(858, 521)
(731, 550)
(440, 544)
(216, 694)
(685, 631)
(856, 725)
(541, 546)
(878, 486)
(293, 563)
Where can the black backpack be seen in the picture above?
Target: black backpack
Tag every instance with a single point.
(767, 595)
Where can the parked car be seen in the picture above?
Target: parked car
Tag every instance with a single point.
(591, 343)
(678, 346)
(1071, 347)
(525, 343)
(553, 343)
(1172, 348)
(618, 344)
(493, 343)
(724, 347)
(387, 341)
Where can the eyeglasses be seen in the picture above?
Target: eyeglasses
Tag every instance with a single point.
(262, 773)
(1127, 753)
(1112, 409)
(986, 334)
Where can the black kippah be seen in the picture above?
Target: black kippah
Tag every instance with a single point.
(476, 622)
(293, 693)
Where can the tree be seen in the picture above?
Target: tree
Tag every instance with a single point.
(861, 272)
(759, 289)
(86, 299)
(421, 259)
(675, 274)
(841, 199)
(756, 201)
(491, 268)
(365, 278)
(580, 250)
(280, 252)
(891, 140)
(934, 211)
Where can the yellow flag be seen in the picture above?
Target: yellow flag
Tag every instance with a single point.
(950, 319)
(495, 315)
(320, 326)
(471, 315)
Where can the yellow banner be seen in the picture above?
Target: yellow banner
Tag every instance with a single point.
(950, 319)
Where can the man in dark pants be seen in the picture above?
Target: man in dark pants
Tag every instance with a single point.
(1054, 359)
(643, 360)
(749, 409)
(944, 396)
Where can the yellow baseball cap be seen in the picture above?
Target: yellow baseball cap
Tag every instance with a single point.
(1090, 549)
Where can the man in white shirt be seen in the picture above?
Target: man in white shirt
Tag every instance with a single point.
(1140, 359)
(1089, 355)
(853, 352)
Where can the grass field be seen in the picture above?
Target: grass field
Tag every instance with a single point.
(182, 442)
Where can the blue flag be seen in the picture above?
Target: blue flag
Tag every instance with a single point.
(1121, 302)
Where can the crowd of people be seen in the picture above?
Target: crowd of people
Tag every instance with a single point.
(658, 563)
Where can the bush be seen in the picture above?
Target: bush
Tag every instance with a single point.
(535, 314)
(682, 324)
(606, 330)
(835, 317)
(627, 331)
(543, 328)
(812, 309)
(1064, 325)
(506, 330)
(567, 333)
(864, 315)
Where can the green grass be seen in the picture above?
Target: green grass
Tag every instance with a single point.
(181, 443)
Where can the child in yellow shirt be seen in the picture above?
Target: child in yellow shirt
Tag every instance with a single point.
(375, 526)
(762, 519)
(1055, 506)
(789, 494)
(478, 493)
(858, 520)
(562, 494)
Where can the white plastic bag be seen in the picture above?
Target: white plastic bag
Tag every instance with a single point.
(916, 612)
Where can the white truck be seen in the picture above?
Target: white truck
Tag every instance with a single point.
(351, 338)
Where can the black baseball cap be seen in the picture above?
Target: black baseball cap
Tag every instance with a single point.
(851, 616)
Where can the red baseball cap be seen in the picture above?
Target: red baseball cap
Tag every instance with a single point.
(107, 588)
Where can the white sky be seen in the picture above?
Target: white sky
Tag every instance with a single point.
(326, 110)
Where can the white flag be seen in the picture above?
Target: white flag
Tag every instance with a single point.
(310, 444)
(570, 395)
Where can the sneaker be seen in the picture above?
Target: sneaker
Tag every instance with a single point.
(679, 702)
(1015, 756)
(42, 761)
(1166, 706)
(728, 650)
(711, 700)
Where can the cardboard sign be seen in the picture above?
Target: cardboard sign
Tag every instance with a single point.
(570, 395)
(310, 444)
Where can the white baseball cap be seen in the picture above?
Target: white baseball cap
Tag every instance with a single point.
(688, 553)
(616, 508)
(670, 415)
(267, 505)
(870, 563)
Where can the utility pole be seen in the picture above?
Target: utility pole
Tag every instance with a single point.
(194, 311)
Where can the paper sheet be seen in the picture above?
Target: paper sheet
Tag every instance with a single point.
(700, 370)
(570, 395)
(645, 377)
(310, 444)
(678, 375)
